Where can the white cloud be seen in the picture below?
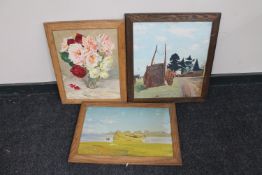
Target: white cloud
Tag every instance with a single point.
(183, 32)
(90, 130)
(166, 127)
(157, 114)
(137, 47)
(183, 52)
(169, 48)
(89, 119)
(206, 41)
(107, 121)
(195, 46)
(122, 113)
(139, 29)
(161, 39)
(143, 28)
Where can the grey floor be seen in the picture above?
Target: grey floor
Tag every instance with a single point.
(223, 135)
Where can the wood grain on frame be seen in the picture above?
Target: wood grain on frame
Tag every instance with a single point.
(82, 25)
(74, 157)
(170, 17)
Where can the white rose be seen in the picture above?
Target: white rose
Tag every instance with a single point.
(92, 59)
(94, 72)
(106, 64)
(104, 74)
(76, 53)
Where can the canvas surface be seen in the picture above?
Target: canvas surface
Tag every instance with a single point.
(126, 131)
(107, 85)
(170, 58)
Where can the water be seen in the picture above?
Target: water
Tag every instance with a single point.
(158, 140)
(97, 138)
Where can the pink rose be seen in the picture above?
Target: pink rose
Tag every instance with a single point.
(89, 43)
(106, 46)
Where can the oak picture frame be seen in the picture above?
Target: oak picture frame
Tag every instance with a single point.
(75, 157)
(87, 25)
(160, 18)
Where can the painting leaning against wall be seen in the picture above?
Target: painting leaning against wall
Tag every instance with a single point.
(89, 63)
(170, 55)
(88, 59)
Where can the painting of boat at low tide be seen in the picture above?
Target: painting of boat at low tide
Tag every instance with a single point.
(170, 58)
(126, 131)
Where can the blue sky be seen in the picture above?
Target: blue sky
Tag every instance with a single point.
(184, 38)
(107, 119)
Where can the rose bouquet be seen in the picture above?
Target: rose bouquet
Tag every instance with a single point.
(88, 56)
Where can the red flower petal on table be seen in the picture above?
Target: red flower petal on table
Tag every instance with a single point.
(78, 38)
(70, 41)
(75, 87)
(78, 71)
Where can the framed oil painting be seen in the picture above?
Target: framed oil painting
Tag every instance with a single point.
(126, 133)
(170, 56)
(88, 59)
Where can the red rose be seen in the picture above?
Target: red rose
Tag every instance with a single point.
(70, 41)
(78, 71)
(78, 38)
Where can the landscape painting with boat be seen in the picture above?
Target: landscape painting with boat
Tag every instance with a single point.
(170, 58)
(126, 131)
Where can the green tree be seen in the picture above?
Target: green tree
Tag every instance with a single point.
(183, 66)
(189, 61)
(174, 62)
(196, 66)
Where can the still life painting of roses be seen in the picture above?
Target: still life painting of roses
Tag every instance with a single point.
(89, 63)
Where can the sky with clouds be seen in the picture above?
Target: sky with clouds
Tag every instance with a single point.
(110, 119)
(183, 38)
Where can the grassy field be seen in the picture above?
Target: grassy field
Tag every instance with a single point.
(181, 87)
(133, 149)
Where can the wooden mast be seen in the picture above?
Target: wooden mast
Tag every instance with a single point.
(153, 58)
(165, 58)
(164, 65)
